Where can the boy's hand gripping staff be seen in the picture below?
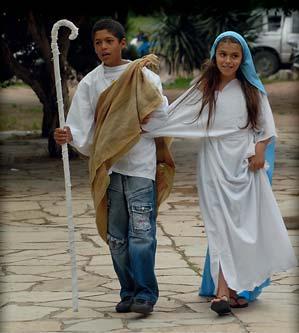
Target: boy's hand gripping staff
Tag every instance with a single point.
(66, 168)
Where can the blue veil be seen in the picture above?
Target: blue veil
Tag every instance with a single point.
(248, 70)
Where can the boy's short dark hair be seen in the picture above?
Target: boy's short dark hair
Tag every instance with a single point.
(114, 27)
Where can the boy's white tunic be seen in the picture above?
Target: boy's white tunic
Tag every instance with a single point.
(246, 233)
(140, 161)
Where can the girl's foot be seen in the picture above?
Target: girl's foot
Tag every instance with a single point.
(220, 305)
(237, 301)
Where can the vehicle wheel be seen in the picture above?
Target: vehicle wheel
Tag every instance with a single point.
(266, 62)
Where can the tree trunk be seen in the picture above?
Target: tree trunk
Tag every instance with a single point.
(40, 77)
(50, 119)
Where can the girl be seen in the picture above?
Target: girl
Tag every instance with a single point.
(229, 110)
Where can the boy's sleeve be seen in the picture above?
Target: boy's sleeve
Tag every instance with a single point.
(80, 119)
(159, 116)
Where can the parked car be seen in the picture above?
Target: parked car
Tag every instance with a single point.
(295, 55)
(272, 50)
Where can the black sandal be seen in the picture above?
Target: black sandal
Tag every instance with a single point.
(221, 307)
(237, 303)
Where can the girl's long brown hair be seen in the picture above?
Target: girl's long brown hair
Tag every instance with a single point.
(208, 83)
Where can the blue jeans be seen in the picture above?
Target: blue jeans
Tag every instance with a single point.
(132, 235)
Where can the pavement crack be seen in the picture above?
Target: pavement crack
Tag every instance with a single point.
(85, 238)
(179, 251)
(243, 325)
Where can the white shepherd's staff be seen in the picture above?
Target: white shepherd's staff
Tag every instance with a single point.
(65, 157)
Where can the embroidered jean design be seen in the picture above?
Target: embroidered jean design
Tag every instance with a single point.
(141, 215)
(117, 246)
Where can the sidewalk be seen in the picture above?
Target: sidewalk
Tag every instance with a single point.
(35, 272)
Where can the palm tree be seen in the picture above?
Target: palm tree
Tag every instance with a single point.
(184, 41)
(178, 40)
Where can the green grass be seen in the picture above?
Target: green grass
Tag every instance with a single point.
(179, 83)
(19, 118)
(16, 113)
(265, 80)
(10, 83)
(183, 83)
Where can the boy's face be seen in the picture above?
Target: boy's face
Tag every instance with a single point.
(108, 48)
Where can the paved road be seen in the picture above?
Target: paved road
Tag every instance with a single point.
(35, 269)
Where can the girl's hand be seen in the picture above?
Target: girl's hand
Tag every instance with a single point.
(63, 136)
(257, 161)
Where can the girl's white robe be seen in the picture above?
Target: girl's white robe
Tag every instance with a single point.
(246, 233)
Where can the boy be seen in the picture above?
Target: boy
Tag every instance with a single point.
(131, 195)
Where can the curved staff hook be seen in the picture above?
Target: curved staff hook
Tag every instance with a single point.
(65, 158)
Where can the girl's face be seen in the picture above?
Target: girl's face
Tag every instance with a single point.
(228, 58)
(108, 48)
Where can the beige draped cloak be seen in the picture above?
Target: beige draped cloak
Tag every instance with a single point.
(120, 110)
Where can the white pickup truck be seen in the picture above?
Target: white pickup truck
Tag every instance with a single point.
(271, 49)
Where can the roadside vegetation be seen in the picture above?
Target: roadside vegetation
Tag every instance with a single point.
(20, 116)
(17, 118)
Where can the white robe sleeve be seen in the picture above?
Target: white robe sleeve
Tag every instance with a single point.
(266, 123)
(159, 116)
(183, 120)
(180, 119)
(80, 119)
